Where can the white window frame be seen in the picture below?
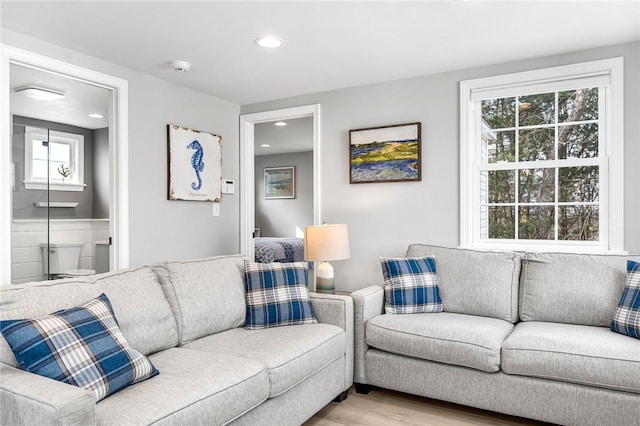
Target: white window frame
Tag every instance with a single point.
(76, 160)
(609, 74)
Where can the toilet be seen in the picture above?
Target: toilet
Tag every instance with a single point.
(62, 259)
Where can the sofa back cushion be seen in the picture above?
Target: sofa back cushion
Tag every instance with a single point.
(142, 311)
(475, 282)
(572, 288)
(206, 295)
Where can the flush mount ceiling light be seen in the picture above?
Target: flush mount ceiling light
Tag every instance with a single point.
(40, 93)
(269, 42)
(180, 66)
(96, 115)
(265, 145)
(280, 123)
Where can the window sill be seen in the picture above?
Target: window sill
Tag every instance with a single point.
(543, 247)
(55, 186)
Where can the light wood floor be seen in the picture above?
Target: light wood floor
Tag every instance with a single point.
(383, 407)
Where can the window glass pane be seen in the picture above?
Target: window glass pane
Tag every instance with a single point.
(537, 185)
(579, 184)
(502, 186)
(60, 152)
(500, 146)
(579, 141)
(534, 110)
(536, 223)
(502, 223)
(537, 144)
(39, 150)
(499, 113)
(39, 169)
(578, 223)
(578, 105)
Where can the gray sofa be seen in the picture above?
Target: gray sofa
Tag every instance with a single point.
(188, 318)
(525, 335)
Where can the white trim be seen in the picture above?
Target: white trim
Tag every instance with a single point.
(247, 201)
(612, 165)
(118, 148)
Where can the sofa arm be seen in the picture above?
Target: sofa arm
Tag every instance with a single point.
(337, 310)
(29, 399)
(368, 302)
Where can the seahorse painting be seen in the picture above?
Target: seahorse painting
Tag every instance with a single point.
(197, 163)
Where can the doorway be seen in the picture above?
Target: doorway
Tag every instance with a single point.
(247, 166)
(117, 100)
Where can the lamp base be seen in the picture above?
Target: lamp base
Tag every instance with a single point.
(324, 278)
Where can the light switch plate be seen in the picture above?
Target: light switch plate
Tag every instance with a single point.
(216, 209)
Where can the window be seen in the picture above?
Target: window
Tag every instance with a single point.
(54, 156)
(541, 159)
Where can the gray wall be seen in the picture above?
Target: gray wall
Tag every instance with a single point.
(285, 217)
(23, 199)
(101, 173)
(162, 229)
(384, 218)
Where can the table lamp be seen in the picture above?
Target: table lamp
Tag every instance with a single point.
(322, 244)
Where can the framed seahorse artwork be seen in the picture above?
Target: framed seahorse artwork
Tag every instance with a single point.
(195, 165)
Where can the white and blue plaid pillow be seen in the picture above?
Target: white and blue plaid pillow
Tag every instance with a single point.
(626, 319)
(410, 285)
(81, 346)
(277, 294)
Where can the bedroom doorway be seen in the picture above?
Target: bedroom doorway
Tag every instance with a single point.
(248, 123)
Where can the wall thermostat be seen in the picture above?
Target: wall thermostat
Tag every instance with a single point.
(228, 186)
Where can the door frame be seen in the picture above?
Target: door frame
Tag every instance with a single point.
(247, 172)
(118, 150)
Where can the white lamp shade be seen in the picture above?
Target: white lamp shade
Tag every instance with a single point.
(326, 242)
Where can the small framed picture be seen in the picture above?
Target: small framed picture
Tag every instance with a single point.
(385, 154)
(279, 182)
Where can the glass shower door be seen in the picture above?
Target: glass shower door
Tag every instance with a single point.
(30, 225)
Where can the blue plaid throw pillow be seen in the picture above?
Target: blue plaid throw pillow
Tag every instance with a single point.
(277, 294)
(410, 285)
(81, 346)
(626, 319)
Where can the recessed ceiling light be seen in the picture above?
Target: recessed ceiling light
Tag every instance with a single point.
(280, 123)
(40, 93)
(269, 42)
(265, 145)
(96, 115)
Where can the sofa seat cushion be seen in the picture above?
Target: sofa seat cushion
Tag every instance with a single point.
(291, 354)
(593, 356)
(458, 339)
(192, 388)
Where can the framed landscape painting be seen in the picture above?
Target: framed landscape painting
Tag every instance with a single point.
(385, 154)
(195, 165)
(279, 182)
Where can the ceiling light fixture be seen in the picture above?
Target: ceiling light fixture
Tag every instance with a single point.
(280, 123)
(269, 42)
(40, 93)
(96, 115)
(180, 66)
(265, 145)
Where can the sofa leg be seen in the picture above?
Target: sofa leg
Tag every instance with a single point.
(341, 397)
(362, 388)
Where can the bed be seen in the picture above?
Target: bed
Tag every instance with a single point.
(271, 249)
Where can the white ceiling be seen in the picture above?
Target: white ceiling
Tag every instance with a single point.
(328, 45)
(80, 99)
(296, 136)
